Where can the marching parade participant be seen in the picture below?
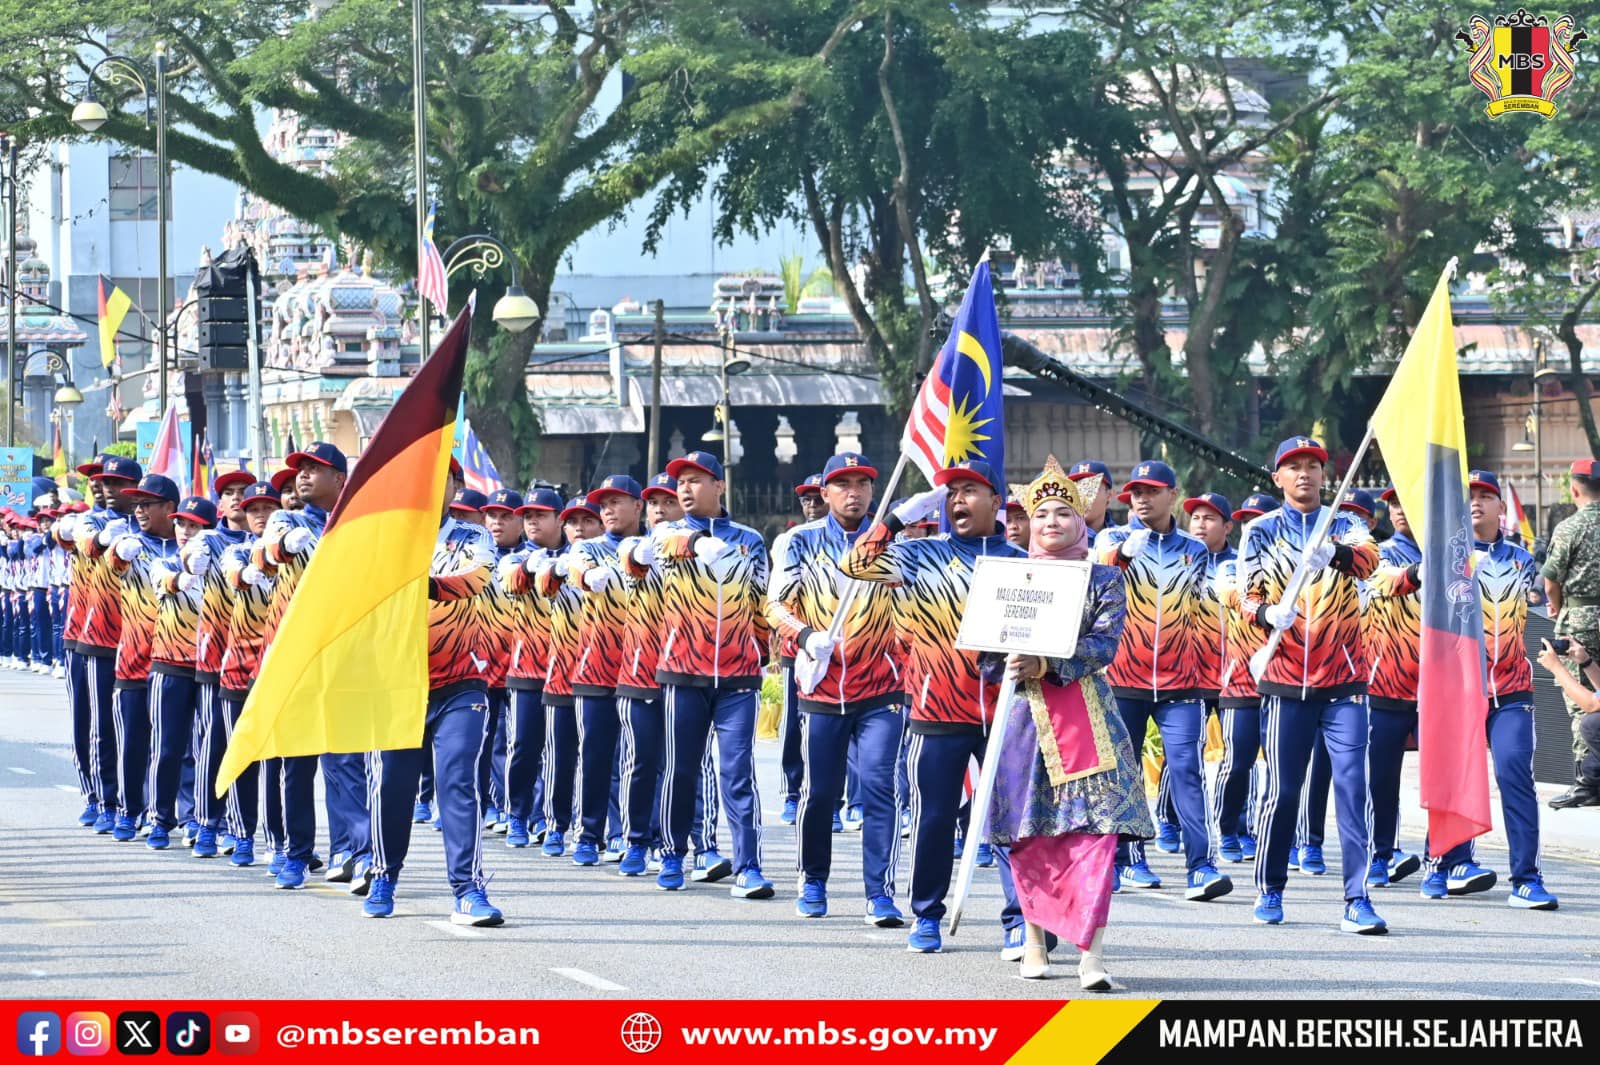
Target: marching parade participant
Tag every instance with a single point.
(1060, 803)
(1018, 526)
(132, 556)
(1159, 671)
(791, 760)
(812, 505)
(951, 704)
(1316, 682)
(528, 661)
(36, 572)
(458, 706)
(1096, 518)
(173, 701)
(65, 532)
(502, 517)
(1211, 522)
(579, 521)
(857, 698)
(60, 568)
(595, 568)
(714, 579)
(1504, 573)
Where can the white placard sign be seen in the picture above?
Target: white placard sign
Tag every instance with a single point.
(1027, 606)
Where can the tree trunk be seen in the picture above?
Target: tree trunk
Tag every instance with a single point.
(497, 392)
(1576, 378)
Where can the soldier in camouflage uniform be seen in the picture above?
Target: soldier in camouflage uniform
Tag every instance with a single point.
(1572, 581)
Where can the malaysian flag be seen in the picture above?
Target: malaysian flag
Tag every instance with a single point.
(477, 468)
(957, 413)
(431, 281)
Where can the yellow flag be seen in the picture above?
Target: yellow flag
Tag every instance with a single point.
(114, 306)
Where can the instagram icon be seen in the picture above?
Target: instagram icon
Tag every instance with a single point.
(88, 1034)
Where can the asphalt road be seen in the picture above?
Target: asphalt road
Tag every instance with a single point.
(83, 917)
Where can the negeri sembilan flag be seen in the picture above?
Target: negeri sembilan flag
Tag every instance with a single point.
(1422, 434)
(348, 671)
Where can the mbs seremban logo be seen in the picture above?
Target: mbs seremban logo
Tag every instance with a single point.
(1521, 62)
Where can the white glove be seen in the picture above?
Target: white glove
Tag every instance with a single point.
(503, 570)
(128, 548)
(818, 646)
(535, 563)
(599, 578)
(644, 552)
(187, 581)
(710, 549)
(296, 540)
(114, 528)
(1135, 544)
(1281, 615)
(561, 566)
(253, 576)
(1323, 555)
(198, 560)
(922, 505)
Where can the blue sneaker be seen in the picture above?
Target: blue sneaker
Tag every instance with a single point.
(791, 812)
(341, 868)
(838, 822)
(205, 844)
(635, 862)
(105, 822)
(1011, 943)
(159, 839)
(421, 813)
(538, 830)
(985, 856)
(91, 814)
(1311, 862)
(361, 882)
(750, 884)
(125, 830)
(292, 876)
(474, 909)
(244, 852)
(883, 913)
(585, 854)
(380, 898)
(1168, 839)
(1434, 886)
(191, 832)
(614, 851)
(1205, 884)
(1269, 908)
(924, 938)
(653, 863)
(1402, 865)
(671, 876)
(1378, 873)
(905, 823)
(1137, 875)
(275, 866)
(854, 818)
(1361, 919)
(517, 833)
(1229, 850)
(1469, 878)
(709, 867)
(437, 824)
(554, 844)
(813, 900)
(490, 816)
(226, 841)
(1248, 845)
(1294, 858)
(961, 845)
(1532, 896)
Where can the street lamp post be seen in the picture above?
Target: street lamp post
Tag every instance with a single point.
(67, 401)
(1535, 429)
(89, 115)
(480, 252)
(732, 364)
(8, 145)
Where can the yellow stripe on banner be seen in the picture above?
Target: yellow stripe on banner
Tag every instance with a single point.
(1082, 1033)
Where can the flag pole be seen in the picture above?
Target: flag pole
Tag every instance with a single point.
(1302, 572)
(978, 819)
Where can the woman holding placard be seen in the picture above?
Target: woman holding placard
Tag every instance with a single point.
(1068, 785)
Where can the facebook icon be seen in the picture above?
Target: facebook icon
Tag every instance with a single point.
(38, 1034)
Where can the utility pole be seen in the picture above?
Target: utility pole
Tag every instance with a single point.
(655, 392)
(12, 376)
(420, 156)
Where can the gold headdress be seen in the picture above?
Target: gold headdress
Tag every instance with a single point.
(1054, 483)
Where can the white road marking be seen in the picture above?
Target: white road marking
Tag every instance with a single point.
(599, 983)
(465, 931)
(66, 787)
(1585, 983)
(19, 769)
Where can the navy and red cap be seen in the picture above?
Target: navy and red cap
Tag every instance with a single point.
(968, 470)
(1484, 479)
(846, 463)
(227, 480)
(810, 484)
(197, 509)
(577, 505)
(1090, 468)
(259, 491)
(1255, 505)
(1296, 446)
(155, 486)
(92, 467)
(283, 477)
(1153, 473)
(115, 467)
(704, 461)
(1359, 500)
(542, 499)
(1215, 500)
(661, 484)
(1586, 468)
(1389, 495)
(469, 501)
(503, 499)
(455, 469)
(320, 452)
(616, 484)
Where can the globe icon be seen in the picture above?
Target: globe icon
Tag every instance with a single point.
(641, 1033)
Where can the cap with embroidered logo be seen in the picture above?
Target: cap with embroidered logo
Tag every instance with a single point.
(469, 501)
(115, 467)
(968, 470)
(320, 452)
(1483, 479)
(661, 484)
(1358, 500)
(616, 484)
(157, 487)
(547, 499)
(197, 509)
(1255, 505)
(704, 461)
(227, 480)
(503, 499)
(1152, 473)
(578, 505)
(848, 463)
(259, 491)
(810, 484)
(1296, 446)
(1090, 468)
(1215, 500)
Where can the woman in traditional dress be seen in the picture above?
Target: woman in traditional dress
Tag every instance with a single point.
(1069, 782)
